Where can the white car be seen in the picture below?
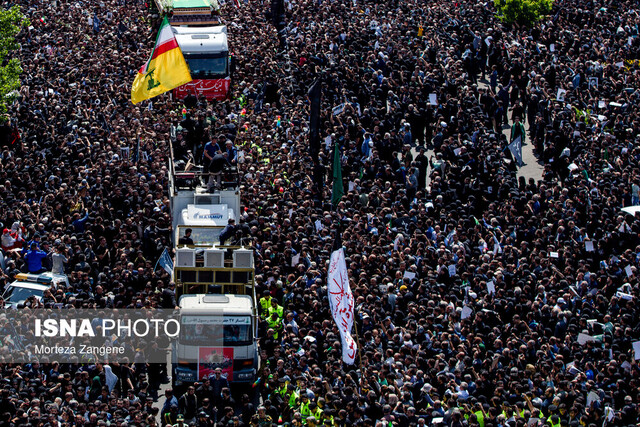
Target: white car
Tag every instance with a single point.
(27, 285)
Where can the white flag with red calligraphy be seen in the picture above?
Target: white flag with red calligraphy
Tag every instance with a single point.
(342, 303)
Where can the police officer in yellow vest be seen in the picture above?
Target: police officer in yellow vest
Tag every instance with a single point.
(281, 391)
(327, 418)
(316, 412)
(304, 409)
(293, 396)
(257, 149)
(479, 413)
(276, 308)
(265, 304)
(275, 323)
(554, 420)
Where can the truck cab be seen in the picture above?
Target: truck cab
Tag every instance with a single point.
(202, 37)
(216, 331)
(206, 51)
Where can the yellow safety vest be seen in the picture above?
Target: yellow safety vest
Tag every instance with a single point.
(275, 325)
(292, 399)
(330, 418)
(480, 416)
(551, 422)
(282, 391)
(265, 304)
(305, 411)
(317, 414)
(278, 310)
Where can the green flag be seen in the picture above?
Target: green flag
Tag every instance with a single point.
(338, 190)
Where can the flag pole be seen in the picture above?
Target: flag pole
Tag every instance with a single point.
(355, 327)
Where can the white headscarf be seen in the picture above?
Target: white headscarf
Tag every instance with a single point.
(110, 377)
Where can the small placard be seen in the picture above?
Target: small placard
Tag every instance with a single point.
(561, 94)
(584, 338)
(452, 270)
(491, 288)
(636, 349)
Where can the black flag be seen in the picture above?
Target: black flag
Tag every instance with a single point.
(337, 241)
(315, 96)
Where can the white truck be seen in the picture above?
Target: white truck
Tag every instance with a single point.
(216, 331)
(215, 283)
(202, 37)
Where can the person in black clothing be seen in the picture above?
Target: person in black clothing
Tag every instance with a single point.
(218, 383)
(205, 391)
(422, 163)
(226, 401)
(229, 231)
(219, 163)
(186, 240)
(207, 408)
(248, 409)
(169, 296)
(188, 404)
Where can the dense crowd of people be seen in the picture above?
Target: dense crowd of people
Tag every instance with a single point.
(482, 298)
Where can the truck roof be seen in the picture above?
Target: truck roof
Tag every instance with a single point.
(202, 39)
(181, 4)
(208, 303)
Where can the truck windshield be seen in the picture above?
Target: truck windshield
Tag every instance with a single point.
(202, 236)
(207, 65)
(205, 330)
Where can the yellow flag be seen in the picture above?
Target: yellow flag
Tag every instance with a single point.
(420, 31)
(166, 69)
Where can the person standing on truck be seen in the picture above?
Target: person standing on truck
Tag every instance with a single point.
(219, 163)
(232, 152)
(169, 296)
(211, 148)
(228, 232)
(58, 259)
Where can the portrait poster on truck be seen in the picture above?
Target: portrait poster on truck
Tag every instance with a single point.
(210, 358)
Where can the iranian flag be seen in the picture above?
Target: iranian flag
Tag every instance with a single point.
(166, 68)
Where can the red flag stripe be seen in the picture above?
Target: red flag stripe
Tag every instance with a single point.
(164, 48)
